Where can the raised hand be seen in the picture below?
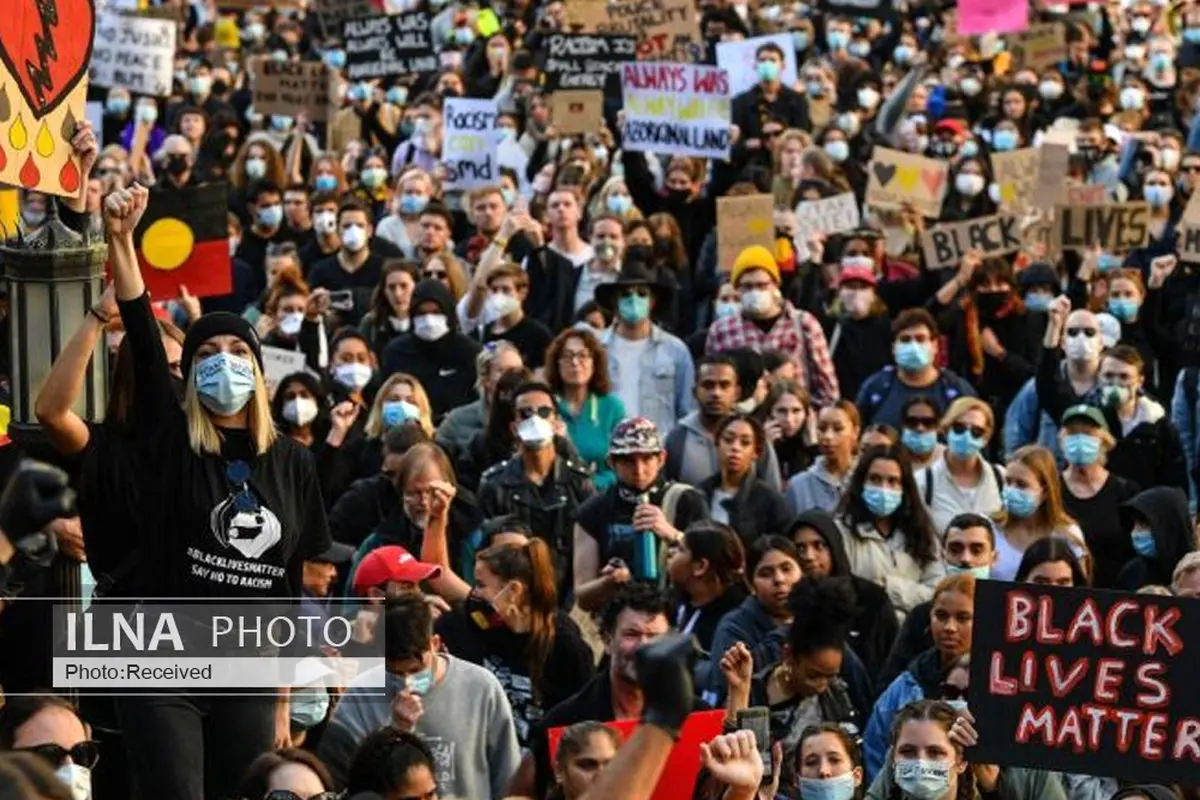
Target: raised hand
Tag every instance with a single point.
(123, 209)
(733, 760)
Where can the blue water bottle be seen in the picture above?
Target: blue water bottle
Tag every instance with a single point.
(645, 551)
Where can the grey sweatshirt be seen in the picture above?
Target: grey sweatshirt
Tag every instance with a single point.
(467, 724)
(692, 456)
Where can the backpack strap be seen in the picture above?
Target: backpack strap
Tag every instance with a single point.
(671, 498)
(929, 486)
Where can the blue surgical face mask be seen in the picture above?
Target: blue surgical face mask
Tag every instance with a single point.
(308, 706)
(270, 216)
(963, 445)
(881, 502)
(1143, 543)
(728, 309)
(800, 40)
(633, 308)
(1081, 449)
(509, 195)
(1123, 308)
(412, 203)
(397, 95)
(969, 148)
(1004, 140)
(397, 412)
(420, 682)
(1108, 262)
(912, 356)
(117, 106)
(619, 203)
(815, 88)
(837, 40)
(336, 59)
(1038, 301)
(902, 54)
(840, 788)
(224, 382)
(1021, 503)
(326, 183)
(919, 443)
(1191, 35)
(838, 150)
(980, 573)
(1157, 196)
(768, 71)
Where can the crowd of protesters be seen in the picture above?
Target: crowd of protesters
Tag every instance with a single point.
(547, 443)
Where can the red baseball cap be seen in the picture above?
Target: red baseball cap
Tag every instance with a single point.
(391, 563)
(864, 274)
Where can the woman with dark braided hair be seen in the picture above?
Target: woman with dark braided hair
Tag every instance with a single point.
(927, 762)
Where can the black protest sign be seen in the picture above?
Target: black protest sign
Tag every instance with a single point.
(587, 61)
(1115, 227)
(880, 9)
(945, 245)
(1086, 681)
(377, 47)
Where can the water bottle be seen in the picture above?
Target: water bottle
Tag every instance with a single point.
(645, 551)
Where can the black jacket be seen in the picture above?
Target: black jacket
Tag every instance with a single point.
(1001, 378)
(859, 348)
(446, 367)
(372, 505)
(755, 511)
(875, 627)
(1151, 453)
(1165, 509)
(750, 109)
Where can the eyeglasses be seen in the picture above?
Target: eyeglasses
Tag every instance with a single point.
(921, 423)
(545, 412)
(1191, 167)
(1088, 332)
(949, 691)
(288, 794)
(85, 754)
(962, 427)
(576, 357)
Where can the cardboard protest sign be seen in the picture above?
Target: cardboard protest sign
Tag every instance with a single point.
(281, 87)
(278, 364)
(896, 178)
(45, 49)
(676, 109)
(1040, 46)
(333, 14)
(836, 214)
(743, 222)
(1054, 160)
(1086, 681)
(1187, 243)
(992, 16)
(135, 53)
(1191, 212)
(1016, 173)
(577, 111)
(587, 61)
(380, 46)
(879, 9)
(469, 149)
(667, 30)
(1116, 227)
(183, 240)
(1086, 194)
(679, 776)
(946, 244)
(739, 59)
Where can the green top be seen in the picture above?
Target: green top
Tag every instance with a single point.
(590, 433)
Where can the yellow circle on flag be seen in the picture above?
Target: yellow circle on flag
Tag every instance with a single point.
(167, 243)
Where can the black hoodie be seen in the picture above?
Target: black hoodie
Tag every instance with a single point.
(874, 627)
(1165, 509)
(446, 367)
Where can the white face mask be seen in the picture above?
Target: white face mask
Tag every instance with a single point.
(757, 302)
(969, 185)
(498, 306)
(353, 376)
(430, 327)
(1082, 348)
(78, 779)
(300, 410)
(290, 324)
(354, 238)
(325, 222)
(535, 432)
(857, 302)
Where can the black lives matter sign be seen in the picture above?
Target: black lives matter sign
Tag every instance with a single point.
(587, 61)
(378, 47)
(1086, 681)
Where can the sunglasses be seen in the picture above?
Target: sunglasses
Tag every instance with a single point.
(920, 423)
(437, 275)
(545, 412)
(1089, 332)
(951, 692)
(961, 428)
(1191, 168)
(85, 754)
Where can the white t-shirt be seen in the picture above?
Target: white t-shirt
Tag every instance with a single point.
(589, 279)
(628, 354)
(719, 512)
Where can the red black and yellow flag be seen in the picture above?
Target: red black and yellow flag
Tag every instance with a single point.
(183, 239)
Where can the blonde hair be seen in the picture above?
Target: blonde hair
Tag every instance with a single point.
(374, 426)
(963, 405)
(203, 435)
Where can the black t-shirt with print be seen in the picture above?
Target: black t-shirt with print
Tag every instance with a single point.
(608, 518)
(231, 525)
(529, 336)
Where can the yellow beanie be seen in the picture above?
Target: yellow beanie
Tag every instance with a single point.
(754, 257)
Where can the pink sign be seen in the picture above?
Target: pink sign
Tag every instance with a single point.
(977, 17)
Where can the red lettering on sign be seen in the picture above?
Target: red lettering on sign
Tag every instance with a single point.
(1113, 623)
(998, 683)
(1127, 722)
(1032, 723)
(1046, 632)
(1060, 684)
(1017, 623)
(1087, 619)
(1158, 631)
(1153, 737)
(1158, 693)
(1109, 676)
(1187, 740)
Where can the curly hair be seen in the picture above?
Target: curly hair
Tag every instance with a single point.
(599, 384)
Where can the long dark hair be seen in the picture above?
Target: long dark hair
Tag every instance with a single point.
(381, 307)
(532, 564)
(500, 411)
(322, 423)
(721, 547)
(1047, 551)
(120, 396)
(911, 517)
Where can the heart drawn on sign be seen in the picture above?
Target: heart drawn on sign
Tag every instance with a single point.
(932, 178)
(908, 177)
(883, 172)
(47, 46)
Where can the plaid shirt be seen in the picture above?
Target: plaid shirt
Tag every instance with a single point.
(796, 333)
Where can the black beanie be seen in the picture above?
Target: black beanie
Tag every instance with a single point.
(218, 323)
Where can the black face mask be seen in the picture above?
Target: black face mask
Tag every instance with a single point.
(219, 87)
(637, 253)
(678, 196)
(990, 303)
(177, 165)
(662, 248)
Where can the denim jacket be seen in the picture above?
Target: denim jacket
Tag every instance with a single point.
(667, 378)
